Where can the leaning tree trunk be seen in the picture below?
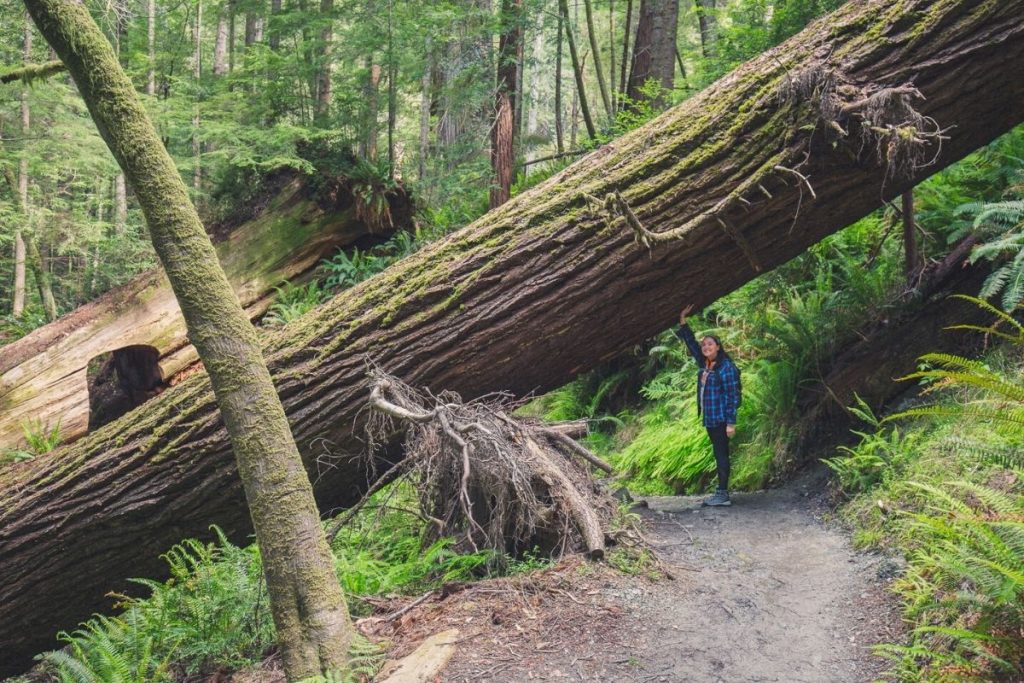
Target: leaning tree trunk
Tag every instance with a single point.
(545, 287)
(889, 349)
(310, 615)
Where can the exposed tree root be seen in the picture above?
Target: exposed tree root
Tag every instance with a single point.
(491, 480)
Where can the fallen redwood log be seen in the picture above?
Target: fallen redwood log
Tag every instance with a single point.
(548, 285)
(44, 377)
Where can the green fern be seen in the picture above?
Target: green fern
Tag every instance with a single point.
(966, 584)
(1001, 227)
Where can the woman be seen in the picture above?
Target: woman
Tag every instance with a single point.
(718, 398)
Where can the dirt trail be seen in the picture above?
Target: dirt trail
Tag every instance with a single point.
(763, 592)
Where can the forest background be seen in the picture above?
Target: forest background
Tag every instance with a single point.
(385, 93)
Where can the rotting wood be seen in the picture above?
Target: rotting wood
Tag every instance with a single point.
(521, 300)
(44, 376)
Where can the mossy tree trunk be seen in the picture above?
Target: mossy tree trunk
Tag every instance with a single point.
(545, 287)
(309, 610)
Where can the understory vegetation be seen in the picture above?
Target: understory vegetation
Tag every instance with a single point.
(212, 614)
(942, 484)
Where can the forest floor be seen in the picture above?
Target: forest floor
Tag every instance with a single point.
(761, 591)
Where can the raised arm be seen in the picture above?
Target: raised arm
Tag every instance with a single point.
(685, 334)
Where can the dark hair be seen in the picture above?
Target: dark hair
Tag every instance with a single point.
(721, 349)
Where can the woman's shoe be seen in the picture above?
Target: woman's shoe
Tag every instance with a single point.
(719, 499)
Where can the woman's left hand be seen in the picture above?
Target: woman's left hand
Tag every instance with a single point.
(730, 431)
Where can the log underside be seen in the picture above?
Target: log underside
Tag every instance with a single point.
(543, 288)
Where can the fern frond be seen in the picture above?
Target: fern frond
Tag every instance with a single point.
(989, 308)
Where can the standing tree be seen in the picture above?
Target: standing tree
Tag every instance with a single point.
(707, 19)
(577, 69)
(503, 132)
(309, 610)
(654, 50)
(18, 306)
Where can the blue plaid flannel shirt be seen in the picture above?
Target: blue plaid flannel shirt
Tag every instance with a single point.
(722, 392)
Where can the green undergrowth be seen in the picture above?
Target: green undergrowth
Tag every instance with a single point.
(942, 485)
(212, 614)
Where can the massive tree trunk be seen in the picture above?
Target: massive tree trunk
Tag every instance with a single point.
(543, 288)
(654, 50)
(314, 630)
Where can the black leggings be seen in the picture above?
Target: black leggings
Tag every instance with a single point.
(720, 445)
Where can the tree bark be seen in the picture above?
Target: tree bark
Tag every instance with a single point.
(425, 100)
(120, 205)
(325, 92)
(392, 94)
(251, 28)
(18, 305)
(41, 277)
(369, 144)
(707, 19)
(33, 258)
(503, 131)
(654, 50)
(274, 28)
(559, 130)
(547, 286)
(611, 56)
(197, 75)
(151, 45)
(533, 113)
(220, 45)
(626, 33)
(310, 615)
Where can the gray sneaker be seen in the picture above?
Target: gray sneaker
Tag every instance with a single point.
(719, 499)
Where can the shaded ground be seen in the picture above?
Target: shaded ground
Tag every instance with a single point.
(762, 591)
